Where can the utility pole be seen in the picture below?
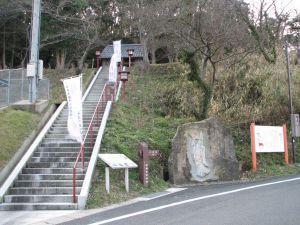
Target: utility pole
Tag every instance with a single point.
(287, 55)
(34, 48)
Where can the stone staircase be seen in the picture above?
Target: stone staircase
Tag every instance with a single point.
(47, 179)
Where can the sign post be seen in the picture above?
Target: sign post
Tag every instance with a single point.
(266, 139)
(144, 155)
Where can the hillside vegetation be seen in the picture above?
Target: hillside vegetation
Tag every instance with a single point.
(163, 97)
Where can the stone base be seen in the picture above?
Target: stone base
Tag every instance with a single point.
(25, 105)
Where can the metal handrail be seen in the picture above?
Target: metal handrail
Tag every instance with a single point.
(89, 132)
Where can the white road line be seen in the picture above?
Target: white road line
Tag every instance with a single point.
(191, 200)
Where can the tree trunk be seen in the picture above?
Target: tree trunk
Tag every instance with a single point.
(297, 61)
(204, 67)
(204, 62)
(143, 41)
(63, 58)
(214, 72)
(60, 59)
(13, 51)
(82, 59)
(58, 66)
(153, 57)
(170, 58)
(4, 50)
(145, 51)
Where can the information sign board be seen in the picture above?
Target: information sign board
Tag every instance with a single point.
(269, 139)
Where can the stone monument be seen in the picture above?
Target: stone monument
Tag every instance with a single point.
(202, 151)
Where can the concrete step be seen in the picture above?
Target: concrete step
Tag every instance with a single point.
(62, 131)
(51, 171)
(47, 183)
(64, 126)
(54, 164)
(56, 159)
(38, 206)
(37, 177)
(38, 198)
(59, 154)
(52, 143)
(88, 105)
(43, 191)
(85, 117)
(64, 123)
(65, 136)
(63, 149)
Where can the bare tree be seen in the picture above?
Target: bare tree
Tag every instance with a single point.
(265, 30)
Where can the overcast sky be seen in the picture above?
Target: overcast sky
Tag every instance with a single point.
(287, 5)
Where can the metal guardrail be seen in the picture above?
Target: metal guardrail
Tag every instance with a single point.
(109, 93)
(95, 120)
(14, 87)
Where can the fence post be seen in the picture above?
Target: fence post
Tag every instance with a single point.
(8, 88)
(48, 95)
(22, 85)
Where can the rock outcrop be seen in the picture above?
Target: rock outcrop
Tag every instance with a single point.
(202, 151)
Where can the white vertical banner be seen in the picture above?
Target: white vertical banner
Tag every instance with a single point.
(118, 50)
(113, 69)
(73, 90)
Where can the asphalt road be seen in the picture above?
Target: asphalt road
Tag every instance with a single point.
(272, 202)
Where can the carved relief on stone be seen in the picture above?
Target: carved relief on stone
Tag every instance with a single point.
(196, 154)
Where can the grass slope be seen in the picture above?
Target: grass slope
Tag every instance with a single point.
(15, 127)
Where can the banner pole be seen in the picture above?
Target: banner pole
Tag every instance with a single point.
(286, 151)
(252, 132)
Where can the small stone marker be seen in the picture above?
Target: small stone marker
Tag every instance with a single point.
(116, 161)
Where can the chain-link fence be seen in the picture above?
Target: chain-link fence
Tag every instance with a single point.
(14, 87)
